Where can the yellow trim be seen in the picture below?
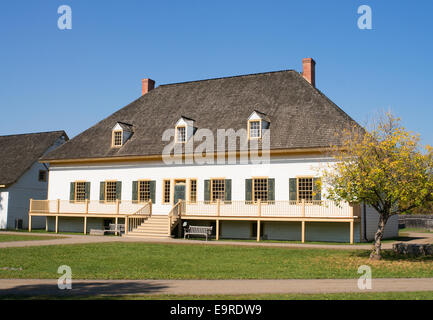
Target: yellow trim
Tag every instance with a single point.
(113, 145)
(189, 189)
(176, 135)
(164, 193)
(249, 130)
(138, 190)
(297, 151)
(252, 188)
(75, 190)
(211, 188)
(105, 191)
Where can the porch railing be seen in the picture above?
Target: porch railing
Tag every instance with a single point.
(279, 208)
(123, 207)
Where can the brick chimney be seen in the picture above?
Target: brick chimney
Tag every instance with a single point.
(309, 70)
(147, 85)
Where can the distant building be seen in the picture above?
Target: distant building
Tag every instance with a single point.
(22, 177)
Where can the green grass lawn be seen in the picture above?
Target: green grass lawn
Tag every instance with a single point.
(406, 230)
(17, 237)
(175, 261)
(420, 295)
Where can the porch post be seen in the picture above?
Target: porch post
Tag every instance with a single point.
(351, 231)
(85, 225)
(126, 224)
(303, 232)
(258, 230)
(116, 222)
(30, 222)
(46, 224)
(57, 224)
(217, 234)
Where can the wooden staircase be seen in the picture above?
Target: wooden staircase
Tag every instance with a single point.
(156, 226)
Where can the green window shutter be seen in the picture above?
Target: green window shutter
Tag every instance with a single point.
(271, 189)
(207, 190)
(293, 193)
(134, 190)
(87, 190)
(118, 190)
(316, 189)
(72, 192)
(152, 190)
(102, 191)
(248, 189)
(228, 190)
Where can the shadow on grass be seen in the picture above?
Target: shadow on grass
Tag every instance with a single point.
(94, 288)
(389, 255)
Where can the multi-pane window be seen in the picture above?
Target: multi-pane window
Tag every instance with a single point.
(117, 138)
(166, 193)
(110, 191)
(193, 191)
(143, 191)
(305, 189)
(181, 134)
(254, 129)
(260, 189)
(218, 189)
(80, 191)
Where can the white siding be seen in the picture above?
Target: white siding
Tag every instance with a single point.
(279, 169)
(391, 227)
(4, 197)
(28, 186)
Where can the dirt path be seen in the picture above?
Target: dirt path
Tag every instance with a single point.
(32, 287)
(82, 239)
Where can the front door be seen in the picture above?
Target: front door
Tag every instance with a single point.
(179, 191)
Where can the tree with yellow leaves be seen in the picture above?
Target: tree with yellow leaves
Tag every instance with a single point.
(386, 168)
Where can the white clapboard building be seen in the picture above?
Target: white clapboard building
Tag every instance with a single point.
(242, 154)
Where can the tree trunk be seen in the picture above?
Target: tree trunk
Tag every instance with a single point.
(376, 254)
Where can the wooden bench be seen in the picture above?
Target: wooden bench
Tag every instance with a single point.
(198, 230)
(116, 228)
(96, 232)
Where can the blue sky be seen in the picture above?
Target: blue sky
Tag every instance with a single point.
(54, 79)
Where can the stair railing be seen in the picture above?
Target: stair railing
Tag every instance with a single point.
(134, 220)
(174, 215)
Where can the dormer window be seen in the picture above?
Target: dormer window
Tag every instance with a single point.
(121, 132)
(181, 134)
(257, 122)
(184, 129)
(254, 131)
(117, 138)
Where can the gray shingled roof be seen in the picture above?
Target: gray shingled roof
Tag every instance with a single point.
(19, 152)
(300, 115)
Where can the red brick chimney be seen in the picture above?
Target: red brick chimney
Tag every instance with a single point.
(309, 70)
(147, 85)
